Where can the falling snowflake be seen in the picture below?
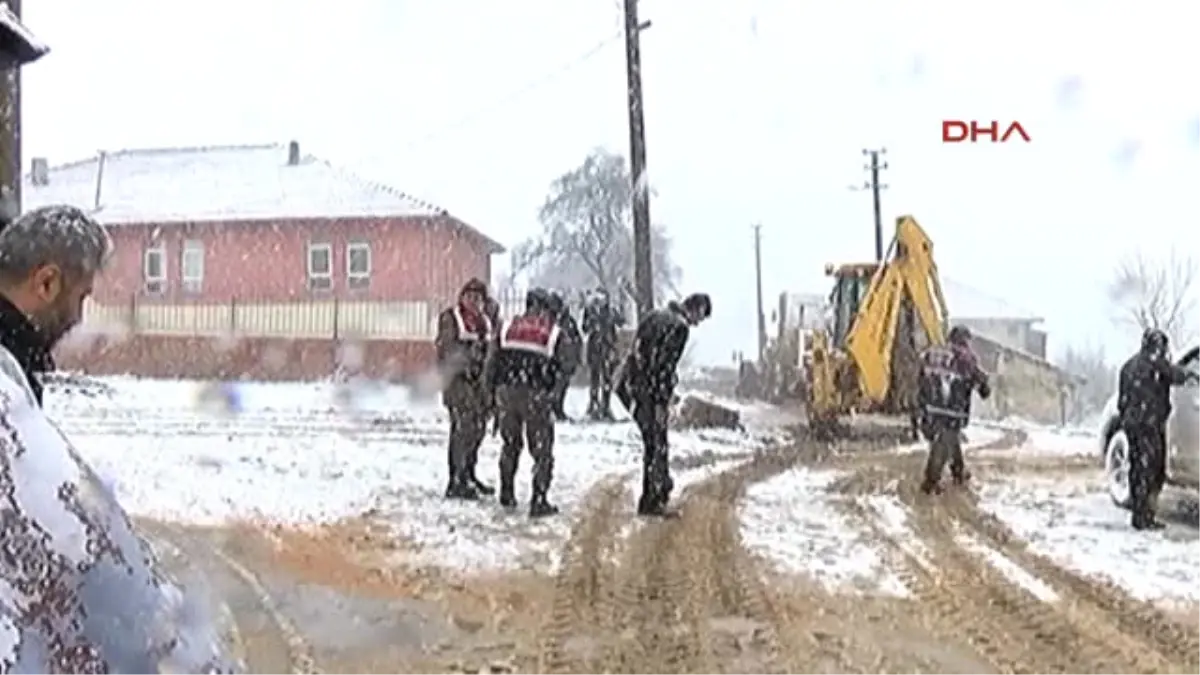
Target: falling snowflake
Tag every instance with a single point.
(1193, 132)
(1126, 154)
(1070, 92)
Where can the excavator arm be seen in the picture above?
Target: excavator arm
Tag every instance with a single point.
(909, 272)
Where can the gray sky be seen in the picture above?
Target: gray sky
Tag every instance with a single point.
(756, 111)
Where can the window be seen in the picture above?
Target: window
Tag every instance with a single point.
(358, 264)
(154, 269)
(191, 265)
(320, 267)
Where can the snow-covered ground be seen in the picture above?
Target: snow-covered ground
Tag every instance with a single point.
(293, 453)
(1072, 520)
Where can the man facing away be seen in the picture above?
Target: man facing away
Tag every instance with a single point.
(464, 331)
(523, 367)
(647, 386)
(1143, 407)
(600, 324)
(572, 347)
(81, 593)
(949, 374)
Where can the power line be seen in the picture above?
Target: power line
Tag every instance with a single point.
(516, 94)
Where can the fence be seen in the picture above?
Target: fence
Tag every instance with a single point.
(334, 319)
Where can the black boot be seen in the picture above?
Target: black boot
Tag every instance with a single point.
(508, 497)
(482, 487)
(931, 487)
(539, 507)
(462, 489)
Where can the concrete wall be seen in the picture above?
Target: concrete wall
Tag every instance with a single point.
(1022, 384)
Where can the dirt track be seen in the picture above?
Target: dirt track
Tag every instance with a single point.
(685, 596)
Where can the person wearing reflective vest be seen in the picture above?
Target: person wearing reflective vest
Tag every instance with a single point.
(949, 375)
(464, 331)
(523, 367)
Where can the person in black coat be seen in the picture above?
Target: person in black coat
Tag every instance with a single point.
(572, 351)
(1143, 407)
(646, 387)
(600, 323)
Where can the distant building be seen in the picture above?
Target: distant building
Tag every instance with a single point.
(258, 261)
(994, 318)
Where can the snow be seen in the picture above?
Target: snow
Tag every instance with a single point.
(318, 452)
(793, 521)
(1072, 521)
(1003, 564)
(238, 182)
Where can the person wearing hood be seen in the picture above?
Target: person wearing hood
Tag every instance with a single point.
(948, 375)
(80, 592)
(524, 365)
(463, 333)
(646, 387)
(1143, 407)
(572, 350)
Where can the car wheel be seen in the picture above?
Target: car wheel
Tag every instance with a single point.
(1116, 469)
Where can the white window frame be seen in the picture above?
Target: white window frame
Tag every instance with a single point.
(154, 284)
(192, 283)
(358, 279)
(319, 281)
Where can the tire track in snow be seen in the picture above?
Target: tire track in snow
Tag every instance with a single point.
(271, 643)
(978, 584)
(1158, 641)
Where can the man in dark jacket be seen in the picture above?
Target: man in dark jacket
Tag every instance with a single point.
(524, 365)
(464, 331)
(646, 386)
(949, 374)
(1143, 407)
(600, 324)
(572, 351)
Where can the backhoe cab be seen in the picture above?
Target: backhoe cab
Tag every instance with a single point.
(883, 315)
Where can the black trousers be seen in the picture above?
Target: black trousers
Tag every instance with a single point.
(468, 426)
(600, 370)
(526, 420)
(945, 445)
(1147, 468)
(651, 418)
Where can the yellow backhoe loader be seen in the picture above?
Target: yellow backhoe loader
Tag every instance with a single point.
(883, 315)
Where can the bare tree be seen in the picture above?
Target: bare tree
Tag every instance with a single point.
(587, 234)
(1097, 380)
(1156, 294)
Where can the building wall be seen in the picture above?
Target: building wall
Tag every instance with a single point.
(267, 262)
(1014, 333)
(1022, 385)
(255, 315)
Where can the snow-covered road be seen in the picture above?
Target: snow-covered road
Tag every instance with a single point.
(294, 454)
(317, 453)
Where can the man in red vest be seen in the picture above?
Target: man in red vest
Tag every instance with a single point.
(464, 332)
(523, 366)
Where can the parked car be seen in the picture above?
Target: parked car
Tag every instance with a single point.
(1183, 446)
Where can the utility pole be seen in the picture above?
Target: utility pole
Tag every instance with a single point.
(762, 317)
(10, 133)
(643, 271)
(873, 167)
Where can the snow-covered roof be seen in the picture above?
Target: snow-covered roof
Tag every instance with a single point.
(216, 183)
(965, 302)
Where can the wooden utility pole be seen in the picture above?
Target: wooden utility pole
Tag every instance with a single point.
(762, 317)
(874, 167)
(643, 271)
(10, 132)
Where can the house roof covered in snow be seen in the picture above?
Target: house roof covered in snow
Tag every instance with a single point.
(220, 183)
(965, 302)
